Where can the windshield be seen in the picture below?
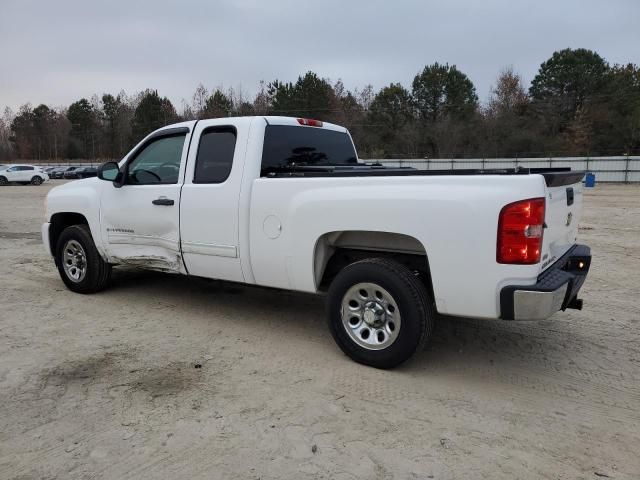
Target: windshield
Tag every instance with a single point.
(289, 146)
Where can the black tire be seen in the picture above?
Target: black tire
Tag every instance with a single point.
(36, 180)
(413, 302)
(3, 180)
(97, 273)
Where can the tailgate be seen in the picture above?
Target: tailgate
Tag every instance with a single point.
(562, 215)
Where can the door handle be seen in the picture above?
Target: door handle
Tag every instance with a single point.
(162, 201)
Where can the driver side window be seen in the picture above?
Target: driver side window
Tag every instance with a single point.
(158, 162)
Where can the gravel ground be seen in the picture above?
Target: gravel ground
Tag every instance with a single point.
(169, 377)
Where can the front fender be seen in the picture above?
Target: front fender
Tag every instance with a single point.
(80, 197)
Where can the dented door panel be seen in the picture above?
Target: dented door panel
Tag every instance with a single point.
(140, 221)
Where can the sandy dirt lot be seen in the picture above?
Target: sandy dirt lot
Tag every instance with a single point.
(106, 386)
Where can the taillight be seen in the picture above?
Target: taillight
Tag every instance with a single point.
(309, 122)
(520, 228)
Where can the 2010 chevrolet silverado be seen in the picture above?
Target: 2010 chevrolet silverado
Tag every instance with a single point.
(286, 203)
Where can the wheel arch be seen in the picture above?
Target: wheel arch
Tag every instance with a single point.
(335, 250)
(61, 220)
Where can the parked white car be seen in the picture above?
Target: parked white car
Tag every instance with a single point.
(23, 174)
(285, 203)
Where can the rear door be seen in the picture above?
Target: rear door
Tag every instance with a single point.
(209, 206)
(140, 220)
(27, 173)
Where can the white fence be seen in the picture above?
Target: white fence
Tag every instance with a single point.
(606, 169)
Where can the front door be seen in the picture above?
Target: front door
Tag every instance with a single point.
(12, 174)
(140, 220)
(18, 173)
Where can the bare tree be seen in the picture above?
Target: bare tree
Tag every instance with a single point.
(508, 94)
(365, 96)
(6, 149)
(262, 102)
(199, 101)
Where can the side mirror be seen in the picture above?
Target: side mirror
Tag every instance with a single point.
(111, 173)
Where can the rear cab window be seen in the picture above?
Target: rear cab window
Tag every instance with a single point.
(287, 147)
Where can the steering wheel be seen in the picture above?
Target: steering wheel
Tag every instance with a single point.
(169, 165)
(142, 170)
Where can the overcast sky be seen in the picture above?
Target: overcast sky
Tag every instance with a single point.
(56, 52)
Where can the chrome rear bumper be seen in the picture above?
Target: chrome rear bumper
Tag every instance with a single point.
(556, 289)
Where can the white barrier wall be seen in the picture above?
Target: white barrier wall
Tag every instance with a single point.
(606, 169)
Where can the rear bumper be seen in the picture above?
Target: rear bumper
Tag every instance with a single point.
(556, 289)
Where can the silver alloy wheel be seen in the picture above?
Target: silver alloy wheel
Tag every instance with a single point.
(370, 316)
(74, 261)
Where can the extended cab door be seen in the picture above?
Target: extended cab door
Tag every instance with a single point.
(209, 208)
(140, 220)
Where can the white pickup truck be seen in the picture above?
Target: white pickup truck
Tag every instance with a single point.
(285, 203)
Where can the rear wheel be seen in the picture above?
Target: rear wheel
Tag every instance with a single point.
(80, 266)
(379, 312)
(36, 180)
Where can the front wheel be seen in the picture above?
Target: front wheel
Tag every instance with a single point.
(36, 180)
(3, 180)
(80, 266)
(379, 312)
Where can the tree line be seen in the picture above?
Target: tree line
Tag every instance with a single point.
(577, 104)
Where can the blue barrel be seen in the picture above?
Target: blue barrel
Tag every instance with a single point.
(590, 180)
